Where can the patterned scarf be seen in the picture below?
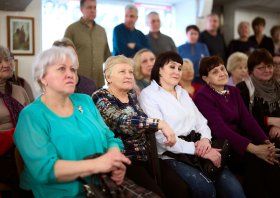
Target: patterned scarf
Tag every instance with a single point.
(225, 92)
(12, 104)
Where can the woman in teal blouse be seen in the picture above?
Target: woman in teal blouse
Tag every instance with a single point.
(58, 130)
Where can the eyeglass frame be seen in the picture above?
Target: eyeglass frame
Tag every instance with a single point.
(270, 66)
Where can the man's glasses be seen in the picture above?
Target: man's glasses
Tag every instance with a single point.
(276, 64)
(264, 67)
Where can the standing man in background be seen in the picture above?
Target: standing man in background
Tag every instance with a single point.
(91, 43)
(158, 41)
(126, 39)
(212, 38)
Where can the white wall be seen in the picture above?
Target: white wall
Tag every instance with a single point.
(186, 13)
(24, 62)
(241, 14)
(234, 14)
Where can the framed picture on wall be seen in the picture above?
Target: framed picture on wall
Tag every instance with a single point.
(21, 35)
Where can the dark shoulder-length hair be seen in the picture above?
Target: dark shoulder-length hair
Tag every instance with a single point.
(257, 57)
(163, 59)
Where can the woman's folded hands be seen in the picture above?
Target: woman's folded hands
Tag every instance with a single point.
(112, 161)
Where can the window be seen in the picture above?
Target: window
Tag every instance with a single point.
(57, 15)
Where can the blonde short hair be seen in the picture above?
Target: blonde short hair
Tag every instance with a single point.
(47, 58)
(112, 61)
(243, 22)
(137, 63)
(235, 60)
(186, 60)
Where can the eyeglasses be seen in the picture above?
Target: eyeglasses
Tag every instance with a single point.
(265, 66)
(276, 64)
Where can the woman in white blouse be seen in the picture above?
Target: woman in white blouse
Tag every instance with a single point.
(164, 100)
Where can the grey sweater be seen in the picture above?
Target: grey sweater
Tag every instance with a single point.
(162, 44)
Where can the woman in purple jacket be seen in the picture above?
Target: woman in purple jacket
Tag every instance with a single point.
(253, 155)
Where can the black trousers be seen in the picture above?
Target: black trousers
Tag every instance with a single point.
(172, 185)
(8, 172)
(260, 178)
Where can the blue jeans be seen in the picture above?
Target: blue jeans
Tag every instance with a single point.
(201, 186)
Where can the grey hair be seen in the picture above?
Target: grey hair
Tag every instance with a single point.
(186, 60)
(4, 52)
(47, 58)
(131, 8)
(152, 13)
(243, 22)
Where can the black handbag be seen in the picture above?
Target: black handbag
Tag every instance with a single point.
(204, 165)
(107, 188)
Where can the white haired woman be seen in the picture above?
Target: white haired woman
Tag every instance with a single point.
(59, 129)
(242, 44)
(120, 111)
(237, 66)
(13, 99)
(84, 84)
(187, 77)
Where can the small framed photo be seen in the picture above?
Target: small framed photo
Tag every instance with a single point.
(21, 35)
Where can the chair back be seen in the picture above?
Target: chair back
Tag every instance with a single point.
(19, 162)
(4, 187)
(153, 155)
(19, 165)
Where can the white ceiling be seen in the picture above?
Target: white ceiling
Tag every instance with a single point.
(267, 5)
(162, 2)
(273, 5)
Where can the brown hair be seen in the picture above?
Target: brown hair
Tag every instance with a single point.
(64, 42)
(274, 29)
(213, 14)
(209, 63)
(258, 21)
(257, 57)
(194, 27)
